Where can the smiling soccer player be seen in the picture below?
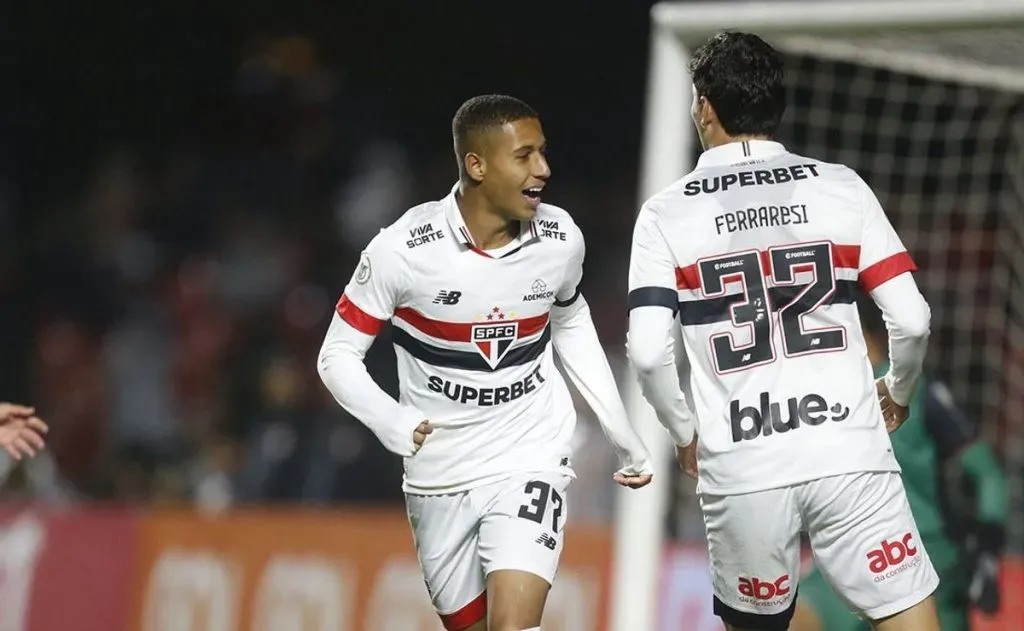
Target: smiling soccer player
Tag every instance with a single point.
(479, 287)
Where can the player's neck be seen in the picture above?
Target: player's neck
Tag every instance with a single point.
(721, 138)
(486, 226)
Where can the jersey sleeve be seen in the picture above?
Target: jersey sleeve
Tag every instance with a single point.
(569, 290)
(652, 267)
(948, 426)
(374, 291)
(882, 254)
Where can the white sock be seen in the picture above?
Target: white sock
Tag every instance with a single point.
(532, 629)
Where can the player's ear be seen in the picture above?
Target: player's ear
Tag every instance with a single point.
(475, 167)
(707, 112)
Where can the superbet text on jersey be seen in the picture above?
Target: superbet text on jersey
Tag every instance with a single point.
(473, 340)
(761, 251)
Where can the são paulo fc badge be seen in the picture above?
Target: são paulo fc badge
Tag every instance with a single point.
(494, 338)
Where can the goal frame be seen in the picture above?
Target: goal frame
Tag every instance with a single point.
(668, 144)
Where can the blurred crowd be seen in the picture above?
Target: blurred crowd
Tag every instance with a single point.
(181, 298)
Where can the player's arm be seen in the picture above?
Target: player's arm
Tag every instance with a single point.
(885, 272)
(653, 304)
(368, 301)
(956, 437)
(575, 340)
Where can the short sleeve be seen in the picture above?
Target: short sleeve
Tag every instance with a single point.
(652, 266)
(373, 293)
(882, 254)
(569, 290)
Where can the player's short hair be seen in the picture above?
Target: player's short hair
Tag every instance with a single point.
(482, 113)
(744, 80)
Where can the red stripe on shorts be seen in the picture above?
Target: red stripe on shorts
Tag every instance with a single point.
(466, 617)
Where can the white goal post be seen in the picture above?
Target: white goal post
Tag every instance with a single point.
(669, 144)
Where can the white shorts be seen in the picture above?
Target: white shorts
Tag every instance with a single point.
(862, 533)
(514, 524)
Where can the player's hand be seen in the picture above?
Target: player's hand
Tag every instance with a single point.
(21, 432)
(631, 480)
(893, 413)
(420, 434)
(11, 411)
(687, 458)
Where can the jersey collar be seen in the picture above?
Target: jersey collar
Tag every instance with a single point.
(740, 152)
(527, 230)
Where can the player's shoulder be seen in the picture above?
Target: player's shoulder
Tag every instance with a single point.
(555, 224)
(834, 171)
(417, 226)
(669, 197)
(838, 178)
(428, 213)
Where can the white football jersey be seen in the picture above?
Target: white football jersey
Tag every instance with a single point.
(761, 252)
(473, 340)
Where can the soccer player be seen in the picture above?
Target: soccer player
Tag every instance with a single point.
(759, 253)
(936, 433)
(479, 287)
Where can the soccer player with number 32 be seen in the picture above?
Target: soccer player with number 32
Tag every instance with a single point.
(479, 287)
(759, 254)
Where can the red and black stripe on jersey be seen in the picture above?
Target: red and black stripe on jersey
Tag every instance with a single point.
(534, 333)
(536, 329)
(718, 309)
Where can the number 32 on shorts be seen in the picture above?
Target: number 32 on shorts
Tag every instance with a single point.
(755, 311)
(541, 496)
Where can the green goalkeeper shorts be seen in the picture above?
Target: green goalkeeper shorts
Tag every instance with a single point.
(950, 598)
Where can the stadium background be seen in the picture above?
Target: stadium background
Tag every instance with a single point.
(184, 191)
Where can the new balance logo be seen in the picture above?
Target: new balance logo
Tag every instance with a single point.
(448, 297)
(547, 541)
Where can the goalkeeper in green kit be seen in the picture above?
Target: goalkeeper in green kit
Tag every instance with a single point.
(964, 549)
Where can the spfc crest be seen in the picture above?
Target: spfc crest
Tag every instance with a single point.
(494, 340)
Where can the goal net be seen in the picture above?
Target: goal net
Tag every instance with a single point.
(926, 101)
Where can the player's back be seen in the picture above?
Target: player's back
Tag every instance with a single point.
(768, 249)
